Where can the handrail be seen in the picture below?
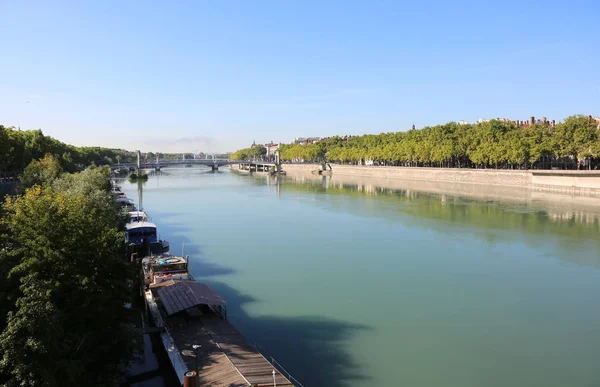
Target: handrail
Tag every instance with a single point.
(278, 366)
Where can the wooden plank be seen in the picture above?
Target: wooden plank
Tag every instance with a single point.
(225, 357)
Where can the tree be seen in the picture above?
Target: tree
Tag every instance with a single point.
(41, 172)
(66, 316)
(489, 144)
(259, 150)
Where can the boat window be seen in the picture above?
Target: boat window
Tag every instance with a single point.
(133, 234)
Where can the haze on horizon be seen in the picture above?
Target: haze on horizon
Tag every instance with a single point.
(214, 76)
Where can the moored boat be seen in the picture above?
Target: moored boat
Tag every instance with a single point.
(138, 216)
(192, 319)
(142, 238)
(125, 203)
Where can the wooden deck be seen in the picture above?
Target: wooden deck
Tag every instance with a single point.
(225, 357)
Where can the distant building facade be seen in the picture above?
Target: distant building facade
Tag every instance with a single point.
(305, 140)
(523, 124)
(271, 149)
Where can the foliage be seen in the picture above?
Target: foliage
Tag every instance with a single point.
(256, 151)
(133, 176)
(64, 284)
(19, 148)
(41, 172)
(492, 144)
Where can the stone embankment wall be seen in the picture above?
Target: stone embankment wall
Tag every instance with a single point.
(573, 182)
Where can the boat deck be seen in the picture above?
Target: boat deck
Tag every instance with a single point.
(225, 358)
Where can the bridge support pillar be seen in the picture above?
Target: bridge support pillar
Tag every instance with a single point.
(215, 168)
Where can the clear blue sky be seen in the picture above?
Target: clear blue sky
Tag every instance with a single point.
(214, 75)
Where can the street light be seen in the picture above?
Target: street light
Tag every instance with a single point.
(197, 348)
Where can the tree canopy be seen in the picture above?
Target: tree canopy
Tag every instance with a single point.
(64, 284)
(41, 172)
(256, 151)
(18, 148)
(491, 144)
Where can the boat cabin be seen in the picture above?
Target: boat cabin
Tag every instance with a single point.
(142, 239)
(164, 267)
(140, 232)
(126, 203)
(138, 216)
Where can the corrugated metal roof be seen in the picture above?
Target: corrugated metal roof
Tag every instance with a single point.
(183, 295)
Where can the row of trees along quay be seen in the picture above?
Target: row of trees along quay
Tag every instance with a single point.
(492, 144)
(65, 286)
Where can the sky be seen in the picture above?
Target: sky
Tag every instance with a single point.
(212, 76)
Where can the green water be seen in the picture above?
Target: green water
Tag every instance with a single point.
(349, 285)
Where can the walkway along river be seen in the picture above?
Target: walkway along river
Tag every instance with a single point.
(348, 283)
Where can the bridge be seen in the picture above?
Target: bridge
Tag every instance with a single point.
(214, 164)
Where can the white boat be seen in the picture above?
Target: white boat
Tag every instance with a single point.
(125, 202)
(138, 216)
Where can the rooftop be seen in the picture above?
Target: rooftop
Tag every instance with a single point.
(184, 295)
(133, 225)
(225, 359)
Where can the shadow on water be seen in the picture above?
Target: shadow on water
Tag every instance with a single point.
(311, 349)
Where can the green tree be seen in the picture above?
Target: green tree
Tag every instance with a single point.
(41, 172)
(259, 150)
(64, 318)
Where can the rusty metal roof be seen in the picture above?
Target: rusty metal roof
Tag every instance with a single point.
(183, 295)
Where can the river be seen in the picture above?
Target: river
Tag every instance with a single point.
(351, 284)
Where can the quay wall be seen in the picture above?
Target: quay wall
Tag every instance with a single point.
(569, 182)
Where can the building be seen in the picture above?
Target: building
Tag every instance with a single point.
(271, 148)
(522, 124)
(305, 140)
(532, 121)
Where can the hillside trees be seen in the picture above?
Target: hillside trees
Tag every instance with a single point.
(19, 148)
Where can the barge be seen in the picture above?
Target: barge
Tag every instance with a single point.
(203, 346)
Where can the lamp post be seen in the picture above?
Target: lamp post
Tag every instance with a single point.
(197, 348)
(195, 354)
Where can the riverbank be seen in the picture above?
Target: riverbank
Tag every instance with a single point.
(580, 183)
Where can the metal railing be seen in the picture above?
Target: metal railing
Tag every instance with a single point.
(277, 366)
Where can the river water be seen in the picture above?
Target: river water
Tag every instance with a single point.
(390, 283)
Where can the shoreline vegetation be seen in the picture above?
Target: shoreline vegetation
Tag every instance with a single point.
(571, 144)
(133, 176)
(65, 286)
(18, 148)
